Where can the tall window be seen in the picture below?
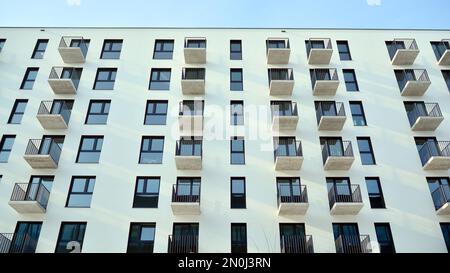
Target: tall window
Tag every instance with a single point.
(358, 116)
(344, 51)
(237, 112)
(5, 147)
(152, 149)
(237, 150)
(156, 112)
(2, 44)
(163, 49)
(80, 192)
(366, 151)
(238, 238)
(446, 232)
(98, 112)
(90, 149)
(375, 193)
(446, 74)
(159, 79)
(236, 79)
(384, 237)
(235, 50)
(71, 236)
(17, 112)
(147, 192)
(105, 78)
(39, 49)
(29, 78)
(350, 80)
(142, 238)
(111, 49)
(238, 195)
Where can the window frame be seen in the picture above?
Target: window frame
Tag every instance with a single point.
(158, 72)
(102, 113)
(2, 44)
(110, 50)
(239, 243)
(237, 138)
(14, 111)
(235, 118)
(240, 83)
(2, 144)
(78, 224)
(446, 75)
(96, 140)
(370, 151)
(110, 71)
(148, 115)
(151, 138)
(379, 195)
(362, 115)
(346, 52)
(162, 51)
(353, 82)
(141, 225)
(87, 181)
(235, 55)
(26, 78)
(146, 180)
(37, 51)
(387, 227)
(241, 196)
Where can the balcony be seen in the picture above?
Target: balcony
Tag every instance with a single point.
(186, 199)
(297, 244)
(289, 157)
(424, 116)
(29, 198)
(441, 200)
(330, 116)
(319, 51)
(193, 81)
(64, 80)
(281, 81)
(353, 244)
(284, 115)
(53, 115)
(292, 200)
(336, 159)
(183, 244)
(190, 118)
(188, 154)
(442, 51)
(345, 199)
(17, 243)
(278, 50)
(403, 51)
(195, 50)
(435, 155)
(40, 155)
(412, 82)
(73, 49)
(325, 82)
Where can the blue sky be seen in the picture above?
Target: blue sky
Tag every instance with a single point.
(228, 13)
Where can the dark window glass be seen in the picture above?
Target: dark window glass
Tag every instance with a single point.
(142, 238)
(237, 112)
(5, 147)
(147, 192)
(163, 49)
(39, 49)
(276, 44)
(71, 236)
(375, 193)
(357, 111)
(29, 78)
(238, 238)
(90, 149)
(80, 193)
(111, 49)
(236, 82)
(235, 50)
(344, 51)
(17, 112)
(196, 43)
(237, 150)
(384, 237)
(446, 232)
(98, 112)
(151, 150)
(440, 191)
(446, 74)
(366, 151)
(193, 73)
(2, 44)
(238, 193)
(26, 236)
(439, 48)
(105, 78)
(159, 79)
(155, 112)
(350, 80)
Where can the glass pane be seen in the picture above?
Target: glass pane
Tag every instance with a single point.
(88, 157)
(78, 185)
(237, 145)
(363, 145)
(79, 200)
(152, 186)
(147, 234)
(87, 144)
(372, 186)
(237, 186)
(157, 144)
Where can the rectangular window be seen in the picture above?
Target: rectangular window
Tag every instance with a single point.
(446, 232)
(235, 50)
(156, 112)
(111, 49)
(163, 49)
(384, 237)
(375, 193)
(159, 79)
(98, 112)
(439, 48)
(344, 50)
(350, 80)
(238, 238)
(152, 149)
(105, 78)
(71, 236)
(237, 112)
(236, 81)
(39, 49)
(357, 111)
(29, 78)
(440, 191)
(90, 149)
(5, 147)
(237, 151)
(80, 192)
(366, 151)
(238, 193)
(141, 238)
(17, 112)
(146, 193)
(2, 44)
(446, 75)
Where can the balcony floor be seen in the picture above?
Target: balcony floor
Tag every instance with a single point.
(332, 123)
(27, 206)
(444, 210)
(52, 121)
(427, 123)
(292, 208)
(405, 57)
(287, 163)
(41, 161)
(193, 87)
(346, 208)
(195, 55)
(325, 88)
(445, 59)
(281, 87)
(284, 123)
(62, 86)
(278, 55)
(185, 208)
(320, 56)
(188, 162)
(415, 88)
(437, 163)
(338, 163)
(71, 55)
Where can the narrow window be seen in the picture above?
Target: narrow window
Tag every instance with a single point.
(344, 51)
(235, 50)
(350, 80)
(237, 112)
(236, 79)
(142, 238)
(366, 151)
(5, 147)
(238, 238)
(39, 49)
(238, 195)
(237, 151)
(375, 193)
(71, 236)
(384, 237)
(446, 74)
(17, 112)
(29, 78)
(357, 111)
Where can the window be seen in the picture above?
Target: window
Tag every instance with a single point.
(5, 147)
(111, 49)
(195, 43)
(366, 151)
(446, 74)
(439, 48)
(235, 50)
(440, 191)
(17, 112)
(375, 193)
(350, 80)
(237, 151)
(358, 116)
(29, 78)
(344, 51)
(80, 192)
(237, 112)
(289, 190)
(238, 193)
(147, 192)
(163, 49)
(39, 49)
(236, 79)
(159, 79)
(70, 238)
(238, 238)
(2, 44)
(90, 148)
(142, 238)
(151, 150)
(384, 237)
(98, 112)
(105, 78)
(155, 112)
(446, 232)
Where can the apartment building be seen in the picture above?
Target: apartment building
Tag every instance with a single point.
(186, 140)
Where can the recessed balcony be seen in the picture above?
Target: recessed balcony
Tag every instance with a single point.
(190, 118)
(297, 244)
(186, 199)
(292, 200)
(435, 155)
(338, 157)
(193, 81)
(353, 244)
(73, 49)
(188, 154)
(195, 50)
(319, 50)
(441, 199)
(54, 114)
(284, 115)
(330, 115)
(325, 82)
(345, 199)
(281, 81)
(42, 154)
(278, 50)
(288, 154)
(29, 198)
(64, 80)
(402, 51)
(442, 52)
(423, 116)
(412, 82)
(183, 244)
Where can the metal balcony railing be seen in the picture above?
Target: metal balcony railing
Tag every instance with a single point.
(17, 243)
(318, 43)
(323, 74)
(140, 246)
(195, 42)
(297, 244)
(353, 244)
(290, 148)
(191, 109)
(404, 76)
(399, 44)
(186, 193)
(193, 74)
(35, 147)
(66, 42)
(292, 194)
(284, 109)
(189, 147)
(434, 148)
(46, 108)
(441, 48)
(336, 110)
(31, 192)
(441, 196)
(429, 110)
(183, 244)
(344, 194)
(280, 74)
(71, 73)
(345, 150)
(277, 43)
